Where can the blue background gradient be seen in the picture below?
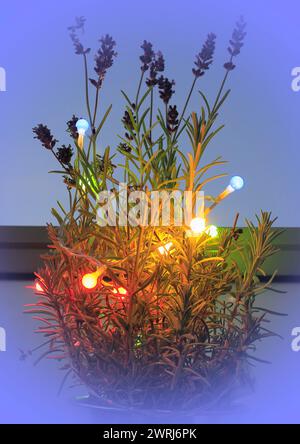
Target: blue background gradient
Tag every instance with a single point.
(45, 84)
(260, 141)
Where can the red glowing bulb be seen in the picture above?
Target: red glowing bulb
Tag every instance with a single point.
(38, 287)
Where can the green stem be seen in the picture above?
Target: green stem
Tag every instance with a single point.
(221, 89)
(87, 89)
(219, 93)
(94, 155)
(185, 106)
(126, 169)
(213, 111)
(94, 136)
(89, 148)
(151, 113)
(166, 111)
(139, 88)
(139, 246)
(96, 108)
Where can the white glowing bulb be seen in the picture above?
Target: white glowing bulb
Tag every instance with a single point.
(197, 225)
(236, 183)
(82, 126)
(164, 249)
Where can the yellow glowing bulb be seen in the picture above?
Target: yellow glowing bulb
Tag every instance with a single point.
(212, 231)
(164, 249)
(90, 280)
(197, 225)
(122, 290)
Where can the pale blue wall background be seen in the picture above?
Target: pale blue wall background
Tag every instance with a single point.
(261, 138)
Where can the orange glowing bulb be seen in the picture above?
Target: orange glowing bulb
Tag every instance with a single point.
(90, 280)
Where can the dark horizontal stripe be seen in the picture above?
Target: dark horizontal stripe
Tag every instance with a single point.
(31, 276)
(44, 246)
(288, 247)
(19, 235)
(23, 246)
(17, 276)
(286, 278)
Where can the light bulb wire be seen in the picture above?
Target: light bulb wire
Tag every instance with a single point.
(228, 190)
(80, 140)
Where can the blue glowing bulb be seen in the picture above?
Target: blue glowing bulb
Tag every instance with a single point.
(82, 126)
(236, 183)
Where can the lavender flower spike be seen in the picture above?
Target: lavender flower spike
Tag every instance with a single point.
(205, 57)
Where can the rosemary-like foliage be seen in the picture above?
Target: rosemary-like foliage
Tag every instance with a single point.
(183, 335)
